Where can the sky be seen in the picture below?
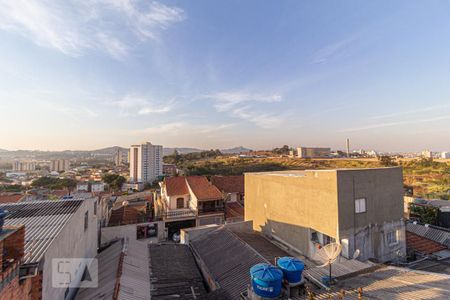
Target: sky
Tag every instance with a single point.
(89, 74)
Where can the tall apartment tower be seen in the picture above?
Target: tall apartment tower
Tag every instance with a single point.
(145, 162)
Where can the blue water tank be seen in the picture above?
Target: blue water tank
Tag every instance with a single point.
(266, 280)
(292, 268)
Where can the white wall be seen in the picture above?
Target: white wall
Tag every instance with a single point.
(72, 242)
(116, 232)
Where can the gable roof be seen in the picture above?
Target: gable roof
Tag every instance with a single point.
(229, 184)
(203, 189)
(176, 186)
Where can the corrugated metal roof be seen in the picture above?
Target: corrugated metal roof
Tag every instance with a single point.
(174, 273)
(108, 263)
(43, 221)
(400, 284)
(228, 259)
(434, 234)
(135, 278)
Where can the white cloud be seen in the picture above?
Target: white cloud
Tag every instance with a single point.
(228, 100)
(326, 53)
(136, 105)
(390, 124)
(247, 106)
(177, 128)
(73, 27)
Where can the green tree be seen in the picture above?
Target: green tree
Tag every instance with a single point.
(387, 161)
(114, 181)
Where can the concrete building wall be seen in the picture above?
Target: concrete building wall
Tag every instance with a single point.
(291, 205)
(383, 190)
(287, 206)
(129, 231)
(310, 152)
(72, 242)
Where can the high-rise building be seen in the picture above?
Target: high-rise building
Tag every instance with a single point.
(59, 165)
(24, 165)
(445, 155)
(145, 162)
(121, 157)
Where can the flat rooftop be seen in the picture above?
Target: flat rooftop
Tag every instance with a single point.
(303, 173)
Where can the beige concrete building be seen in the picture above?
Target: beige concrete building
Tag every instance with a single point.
(359, 208)
(311, 152)
(145, 162)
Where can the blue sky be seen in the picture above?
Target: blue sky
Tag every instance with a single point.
(95, 73)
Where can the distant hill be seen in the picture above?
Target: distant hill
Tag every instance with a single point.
(109, 150)
(3, 150)
(235, 150)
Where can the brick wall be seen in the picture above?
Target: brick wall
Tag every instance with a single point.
(17, 290)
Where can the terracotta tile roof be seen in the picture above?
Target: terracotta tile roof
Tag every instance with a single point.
(127, 215)
(421, 244)
(229, 184)
(234, 210)
(10, 198)
(203, 189)
(176, 186)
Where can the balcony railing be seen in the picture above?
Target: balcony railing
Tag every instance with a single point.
(179, 213)
(216, 210)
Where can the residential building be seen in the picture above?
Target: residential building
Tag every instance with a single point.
(169, 170)
(445, 155)
(59, 165)
(83, 186)
(121, 157)
(189, 201)
(12, 246)
(24, 166)
(232, 187)
(427, 154)
(97, 187)
(313, 152)
(53, 229)
(362, 209)
(145, 162)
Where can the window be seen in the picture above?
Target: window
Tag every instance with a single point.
(360, 205)
(391, 237)
(314, 237)
(86, 220)
(180, 202)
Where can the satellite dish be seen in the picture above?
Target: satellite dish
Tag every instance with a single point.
(327, 255)
(356, 254)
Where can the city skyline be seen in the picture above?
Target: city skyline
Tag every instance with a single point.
(100, 73)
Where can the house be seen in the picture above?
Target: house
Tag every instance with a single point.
(189, 201)
(169, 169)
(97, 187)
(362, 209)
(53, 229)
(83, 186)
(232, 187)
(12, 245)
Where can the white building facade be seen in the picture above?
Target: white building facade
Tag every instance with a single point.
(145, 162)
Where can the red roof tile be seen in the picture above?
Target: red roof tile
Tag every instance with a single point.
(203, 189)
(7, 198)
(233, 210)
(176, 186)
(421, 244)
(127, 215)
(229, 184)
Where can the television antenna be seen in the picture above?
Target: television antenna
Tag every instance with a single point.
(327, 255)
